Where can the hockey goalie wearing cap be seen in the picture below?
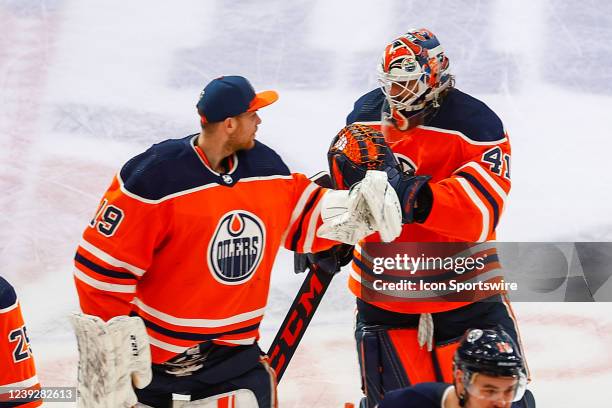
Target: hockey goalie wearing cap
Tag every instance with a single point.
(184, 240)
(455, 155)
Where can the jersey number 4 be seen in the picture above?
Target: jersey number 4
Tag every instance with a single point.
(22, 349)
(497, 159)
(107, 219)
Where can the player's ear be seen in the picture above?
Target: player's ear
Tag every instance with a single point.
(458, 377)
(230, 124)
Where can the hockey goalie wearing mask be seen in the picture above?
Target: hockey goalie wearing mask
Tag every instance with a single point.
(454, 158)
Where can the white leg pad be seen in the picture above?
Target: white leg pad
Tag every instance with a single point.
(242, 398)
(113, 358)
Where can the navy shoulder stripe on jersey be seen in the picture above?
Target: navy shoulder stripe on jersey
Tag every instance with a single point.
(173, 166)
(368, 108)
(261, 161)
(165, 168)
(8, 297)
(466, 114)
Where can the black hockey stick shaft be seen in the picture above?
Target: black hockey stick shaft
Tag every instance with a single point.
(298, 318)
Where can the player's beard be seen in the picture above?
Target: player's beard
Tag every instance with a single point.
(240, 141)
(237, 145)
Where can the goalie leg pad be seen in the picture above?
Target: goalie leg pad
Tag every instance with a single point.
(241, 398)
(113, 357)
(391, 358)
(213, 381)
(444, 356)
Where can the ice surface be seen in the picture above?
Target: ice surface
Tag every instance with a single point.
(85, 85)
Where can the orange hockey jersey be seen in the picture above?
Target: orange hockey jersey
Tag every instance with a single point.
(466, 151)
(17, 370)
(189, 250)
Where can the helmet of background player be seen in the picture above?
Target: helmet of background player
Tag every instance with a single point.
(492, 355)
(413, 72)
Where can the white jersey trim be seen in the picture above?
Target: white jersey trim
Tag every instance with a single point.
(312, 227)
(107, 287)
(487, 177)
(191, 190)
(166, 346)
(109, 259)
(263, 178)
(374, 122)
(205, 323)
(11, 307)
(234, 158)
(30, 382)
(240, 342)
(299, 207)
(164, 198)
(446, 393)
(463, 136)
(479, 204)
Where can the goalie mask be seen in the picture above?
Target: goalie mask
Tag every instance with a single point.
(413, 72)
(492, 366)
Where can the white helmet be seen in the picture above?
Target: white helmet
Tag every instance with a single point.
(413, 71)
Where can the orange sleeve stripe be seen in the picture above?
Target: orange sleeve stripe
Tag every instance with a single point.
(494, 207)
(458, 211)
(297, 211)
(499, 185)
(296, 240)
(493, 196)
(105, 304)
(102, 285)
(27, 383)
(314, 222)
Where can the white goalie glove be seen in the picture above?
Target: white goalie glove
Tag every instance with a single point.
(114, 357)
(370, 205)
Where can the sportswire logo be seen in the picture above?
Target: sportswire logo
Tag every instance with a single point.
(237, 246)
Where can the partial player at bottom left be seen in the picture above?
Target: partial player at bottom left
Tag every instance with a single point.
(18, 381)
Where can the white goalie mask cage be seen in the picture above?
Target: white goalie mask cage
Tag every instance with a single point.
(414, 70)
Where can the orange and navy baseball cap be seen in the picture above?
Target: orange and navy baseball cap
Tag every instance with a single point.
(229, 96)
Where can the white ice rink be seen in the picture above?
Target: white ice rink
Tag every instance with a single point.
(85, 85)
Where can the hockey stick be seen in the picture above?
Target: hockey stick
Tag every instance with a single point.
(298, 318)
(366, 149)
(321, 270)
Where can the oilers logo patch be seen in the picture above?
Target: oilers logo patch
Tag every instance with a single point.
(406, 163)
(237, 246)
